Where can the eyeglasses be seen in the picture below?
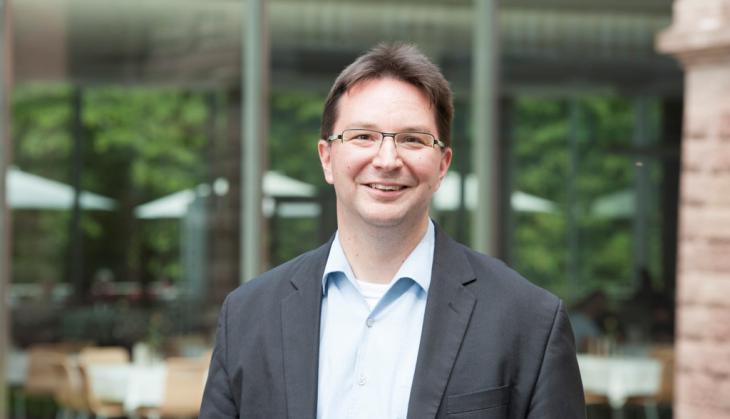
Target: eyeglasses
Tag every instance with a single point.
(367, 138)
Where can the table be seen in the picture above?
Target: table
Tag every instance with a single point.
(620, 377)
(133, 385)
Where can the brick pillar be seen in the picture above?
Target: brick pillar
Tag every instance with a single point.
(700, 38)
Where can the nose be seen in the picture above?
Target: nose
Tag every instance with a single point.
(387, 157)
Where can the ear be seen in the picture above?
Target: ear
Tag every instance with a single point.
(445, 162)
(324, 148)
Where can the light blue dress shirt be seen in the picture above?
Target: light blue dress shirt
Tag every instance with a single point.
(367, 358)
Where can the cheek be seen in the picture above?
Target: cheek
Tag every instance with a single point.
(428, 170)
(344, 172)
(352, 167)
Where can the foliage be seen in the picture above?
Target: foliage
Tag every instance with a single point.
(41, 117)
(139, 145)
(542, 150)
(136, 145)
(294, 134)
(42, 142)
(156, 138)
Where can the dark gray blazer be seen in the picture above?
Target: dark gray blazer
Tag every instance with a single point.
(493, 345)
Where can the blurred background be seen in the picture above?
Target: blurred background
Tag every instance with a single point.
(128, 168)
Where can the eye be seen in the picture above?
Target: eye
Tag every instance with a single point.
(414, 139)
(361, 136)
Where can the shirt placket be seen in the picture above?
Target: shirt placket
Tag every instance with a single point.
(363, 365)
(363, 383)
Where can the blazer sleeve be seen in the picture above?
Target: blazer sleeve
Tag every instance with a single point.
(558, 392)
(218, 401)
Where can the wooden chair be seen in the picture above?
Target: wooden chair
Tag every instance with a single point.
(89, 357)
(103, 355)
(70, 396)
(184, 385)
(595, 399)
(42, 377)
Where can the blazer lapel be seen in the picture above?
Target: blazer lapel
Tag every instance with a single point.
(448, 310)
(300, 335)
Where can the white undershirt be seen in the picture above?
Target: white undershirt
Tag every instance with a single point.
(372, 292)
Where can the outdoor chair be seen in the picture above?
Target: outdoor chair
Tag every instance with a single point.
(70, 396)
(43, 378)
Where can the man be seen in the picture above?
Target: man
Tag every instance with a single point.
(391, 318)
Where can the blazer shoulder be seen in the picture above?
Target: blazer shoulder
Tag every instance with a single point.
(494, 277)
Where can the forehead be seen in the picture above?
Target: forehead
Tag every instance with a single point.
(385, 102)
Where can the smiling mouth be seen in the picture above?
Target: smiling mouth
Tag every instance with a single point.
(385, 187)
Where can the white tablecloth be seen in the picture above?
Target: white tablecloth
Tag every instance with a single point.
(620, 377)
(133, 385)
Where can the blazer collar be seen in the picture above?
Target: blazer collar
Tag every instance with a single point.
(448, 311)
(300, 334)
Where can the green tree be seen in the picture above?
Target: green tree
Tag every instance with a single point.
(605, 126)
(138, 145)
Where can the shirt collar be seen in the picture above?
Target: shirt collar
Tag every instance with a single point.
(417, 265)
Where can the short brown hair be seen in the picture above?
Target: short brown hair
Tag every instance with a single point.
(402, 62)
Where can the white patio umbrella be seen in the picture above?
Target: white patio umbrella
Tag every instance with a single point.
(174, 205)
(274, 185)
(447, 197)
(620, 204)
(28, 191)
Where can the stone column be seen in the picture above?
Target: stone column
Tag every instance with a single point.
(700, 39)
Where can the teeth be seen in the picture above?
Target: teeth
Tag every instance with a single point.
(386, 187)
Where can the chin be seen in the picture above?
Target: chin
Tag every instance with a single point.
(376, 218)
(380, 215)
(381, 219)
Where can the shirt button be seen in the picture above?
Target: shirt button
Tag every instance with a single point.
(370, 322)
(362, 381)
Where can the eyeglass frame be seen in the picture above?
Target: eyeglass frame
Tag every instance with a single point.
(340, 136)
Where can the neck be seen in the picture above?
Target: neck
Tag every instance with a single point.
(376, 253)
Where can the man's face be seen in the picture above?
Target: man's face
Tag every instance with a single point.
(383, 186)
